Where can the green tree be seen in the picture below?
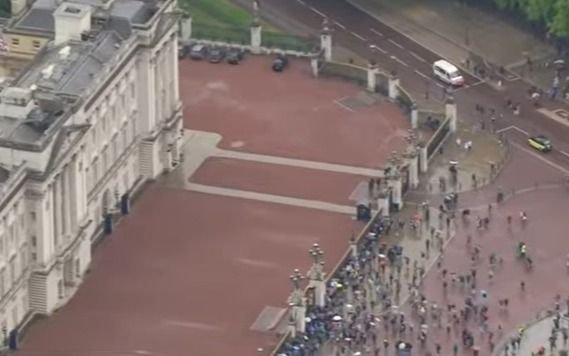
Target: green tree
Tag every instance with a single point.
(541, 11)
(559, 26)
(507, 4)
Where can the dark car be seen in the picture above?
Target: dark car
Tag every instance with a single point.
(540, 143)
(198, 52)
(216, 55)
(280, 63)
(183, 51)
(234, 56)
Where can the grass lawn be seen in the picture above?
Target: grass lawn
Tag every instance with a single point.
(217, 12)
(221, 13)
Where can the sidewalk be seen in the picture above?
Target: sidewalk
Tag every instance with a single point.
(454, 31)
(536, 336)
(486, 150)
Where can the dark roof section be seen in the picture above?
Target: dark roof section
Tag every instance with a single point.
(37, 20)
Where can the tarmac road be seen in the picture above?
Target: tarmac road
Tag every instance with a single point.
(369, 38)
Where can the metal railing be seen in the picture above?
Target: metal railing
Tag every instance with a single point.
(205, 31)
(345, 71)
(288, 42)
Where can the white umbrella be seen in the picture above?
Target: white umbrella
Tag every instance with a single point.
(337, 318)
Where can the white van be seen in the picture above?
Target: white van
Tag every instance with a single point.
(448, 73)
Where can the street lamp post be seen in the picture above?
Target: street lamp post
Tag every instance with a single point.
(297, 301)
(393, 176)
(316, 275)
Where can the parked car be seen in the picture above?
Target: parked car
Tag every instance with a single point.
(280, 63)
(216, 55)
(198, 52)
(234, 56)
(183, 51)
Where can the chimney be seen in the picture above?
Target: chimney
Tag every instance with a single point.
(16, 103)
(71, 20)
(17, 7)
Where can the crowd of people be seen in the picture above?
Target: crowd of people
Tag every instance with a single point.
(376, 305)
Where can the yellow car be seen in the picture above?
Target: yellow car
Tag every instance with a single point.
(540, 143)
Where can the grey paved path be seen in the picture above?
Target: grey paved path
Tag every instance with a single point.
(272, 198)
(200, 145)
(299, 163)
(537, 336)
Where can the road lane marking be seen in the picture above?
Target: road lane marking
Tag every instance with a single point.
(513, 127)
(440, 85)
(395, 43)
(317, 12)
(422, 74)
(358, 36)
(340, 25)
(378, 48)
(504, 129)
(376, 32)
(418, 57)
(564, 153)
(399, 61)
(301, 2)
(470, 86)
(520, 130)
(541, 158)
(344, 106)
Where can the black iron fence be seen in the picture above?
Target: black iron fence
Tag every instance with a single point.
(288, 42)
(345, 71)
(438, 137)
(229, 34)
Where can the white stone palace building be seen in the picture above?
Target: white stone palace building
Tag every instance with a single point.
(94, 115)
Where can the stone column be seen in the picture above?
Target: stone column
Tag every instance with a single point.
(413, 158)
(256, 37)
(423, 160)
(372, 70)
(74, 199)
(451, 113)
(314, 66)
(414, 116)
(64, 203)
(291, 326)
(326, 43)
(57, 210)
(354, 247)
(300, 311)
(316, 275)
(297, 302)
(185, 28)
(393, 176)
(393, 89)
(54, 218)
(397, 188)
(174, 72)
(68, 199)
(383, 201)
